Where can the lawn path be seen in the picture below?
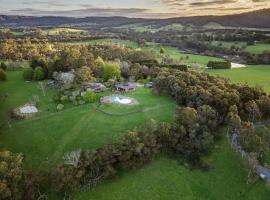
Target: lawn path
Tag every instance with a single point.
(72, 134)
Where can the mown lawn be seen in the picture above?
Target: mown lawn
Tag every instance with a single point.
(165, 179)
(252, 75)
(45, 138)
(17, 92)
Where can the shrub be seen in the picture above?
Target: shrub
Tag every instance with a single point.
(111, 70)
(219, 65)
(60, 107)
(84, 74)
(90, 97)
(28, 73)
(81, 102)
(39, 74)
(3, 75)
(3, 66)
(64, 99)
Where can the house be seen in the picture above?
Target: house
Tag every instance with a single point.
(95, 87)
(126, 87)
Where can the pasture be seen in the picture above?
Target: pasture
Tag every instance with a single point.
(126, 43)
(165, 179)
(46, 137)
(57, 31)
(257, 48)
(252, 75)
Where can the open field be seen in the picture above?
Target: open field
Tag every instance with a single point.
(165, 179)
(57, 31)
(45, 138)
(252, 75)
(176, 54)
(258, 48)
(254, 49)
(126, 43)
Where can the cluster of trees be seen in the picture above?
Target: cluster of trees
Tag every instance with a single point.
(24, 49)
(195, 89)
(263, 58)
(219, 65)
(255, 141)
(92, 62)
(15, 182)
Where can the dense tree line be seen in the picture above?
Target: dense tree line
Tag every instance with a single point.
(196, 89)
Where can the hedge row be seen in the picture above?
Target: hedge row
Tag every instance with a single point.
(219, 65)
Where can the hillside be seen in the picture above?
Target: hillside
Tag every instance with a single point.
(255, 19)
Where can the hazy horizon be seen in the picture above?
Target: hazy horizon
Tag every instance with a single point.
(130, 8)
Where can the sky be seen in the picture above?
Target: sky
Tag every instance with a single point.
(129, 8)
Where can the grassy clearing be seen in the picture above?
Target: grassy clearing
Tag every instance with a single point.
(165, 179)
(258, 48)
(176, 54)
(252, 75)
(126, 43)
(57, 31)
(254, 49)
(45, 138)
(20, 92)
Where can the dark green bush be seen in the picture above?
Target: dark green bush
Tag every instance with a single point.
(28, 73)
(39, 74)
(3, 75)
(3, 66)
(219, 65)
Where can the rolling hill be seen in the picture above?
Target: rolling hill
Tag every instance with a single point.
(255, 19)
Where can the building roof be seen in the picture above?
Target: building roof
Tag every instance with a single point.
(126, 86)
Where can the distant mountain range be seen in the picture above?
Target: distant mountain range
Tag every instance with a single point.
(255, 19)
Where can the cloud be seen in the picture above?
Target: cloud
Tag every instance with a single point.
(144, 9)
(44, 3)
(93, 11)
(212, 2)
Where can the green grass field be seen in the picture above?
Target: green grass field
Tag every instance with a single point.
(252, 75)
(258, 48)
(176, 54)
(126, 43)
(254, 49)
(57, 31)
(45, 138)
(164, 179)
